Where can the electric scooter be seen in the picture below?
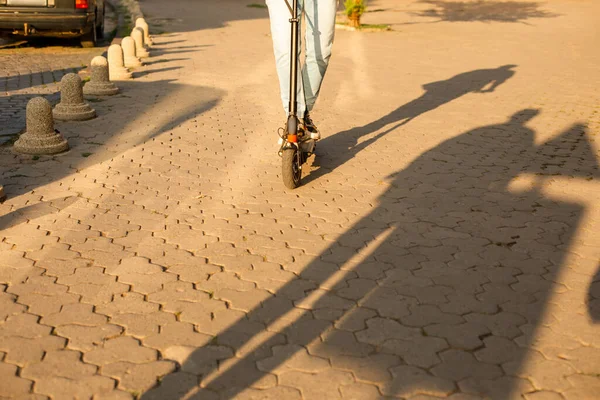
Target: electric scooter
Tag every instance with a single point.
(297, 144)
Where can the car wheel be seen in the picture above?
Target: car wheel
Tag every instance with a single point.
(89, 39)
(100, 28)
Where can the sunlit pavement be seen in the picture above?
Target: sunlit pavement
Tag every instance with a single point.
(444, 244)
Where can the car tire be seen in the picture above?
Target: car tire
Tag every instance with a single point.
(100, 28)
(90, 39)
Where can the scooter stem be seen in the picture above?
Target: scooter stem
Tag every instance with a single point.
(293, 106)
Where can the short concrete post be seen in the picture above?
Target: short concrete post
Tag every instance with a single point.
(71, 106)
(100, 84)
(40, 136)
(129, 53)
(116, 64)
(138, 36)
(141, 23)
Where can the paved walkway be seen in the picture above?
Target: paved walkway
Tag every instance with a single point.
(445, 243)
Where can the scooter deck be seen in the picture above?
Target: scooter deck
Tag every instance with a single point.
(308, 146)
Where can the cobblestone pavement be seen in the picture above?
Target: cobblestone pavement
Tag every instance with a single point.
(27, 72)
(445, 243)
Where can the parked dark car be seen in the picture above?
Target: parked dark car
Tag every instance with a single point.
(57, 18)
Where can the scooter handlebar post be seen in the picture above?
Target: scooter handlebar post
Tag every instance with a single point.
(293, 106)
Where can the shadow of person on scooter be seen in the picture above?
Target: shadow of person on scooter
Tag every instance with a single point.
(453, 261)
(593, 299)
(335, 150)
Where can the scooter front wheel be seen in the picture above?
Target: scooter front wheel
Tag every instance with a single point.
(290, 167)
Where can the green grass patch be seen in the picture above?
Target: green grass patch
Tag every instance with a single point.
(86, 154)
(383, 27)
(368, 27)
(256, 5)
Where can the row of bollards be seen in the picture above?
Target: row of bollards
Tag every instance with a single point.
(40, 137)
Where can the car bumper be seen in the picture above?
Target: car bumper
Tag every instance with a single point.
(46, 24)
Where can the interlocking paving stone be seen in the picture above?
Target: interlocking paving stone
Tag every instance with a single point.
(582, 387)
(81, 314)
(408, 381)
(325, 384)
(360, 391)
(12, 385)
(459, 365)
(138, 377)
(543, 395)
(443, 244)
(86, 338)
(120, 349)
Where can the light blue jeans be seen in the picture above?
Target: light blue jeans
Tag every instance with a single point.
(320, 29)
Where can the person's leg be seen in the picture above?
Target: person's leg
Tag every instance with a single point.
(279, 14)
(320, 30)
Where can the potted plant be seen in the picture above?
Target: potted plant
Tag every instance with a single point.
(354, 9)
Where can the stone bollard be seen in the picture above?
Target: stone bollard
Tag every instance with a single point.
(116, 64)
(100, 84)
(138, 36)
(141, 23)
(71, 106)
(129, 53)
(40, 136)
(2, 194)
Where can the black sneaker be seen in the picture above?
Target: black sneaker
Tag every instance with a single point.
(310, 127)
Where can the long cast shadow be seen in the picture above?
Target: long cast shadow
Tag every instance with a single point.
(30, 80)
(169, 17)
(449, 295)
(22, 215)
(335, 150)
(87, 146)
(593, 299)
(484, 11)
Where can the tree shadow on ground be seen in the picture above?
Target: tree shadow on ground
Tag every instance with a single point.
(103, 138)
(484, 11)
(439, 289)
(13, 106)
(172, 41)
(139, 74)
(33, 211)
(329, 156)
(162, 61)
(167, 17)
(30, 80)
(114, 114)
(162, 52)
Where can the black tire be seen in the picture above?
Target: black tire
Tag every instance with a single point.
(90, 39)
(290, 168)
(100, 28)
